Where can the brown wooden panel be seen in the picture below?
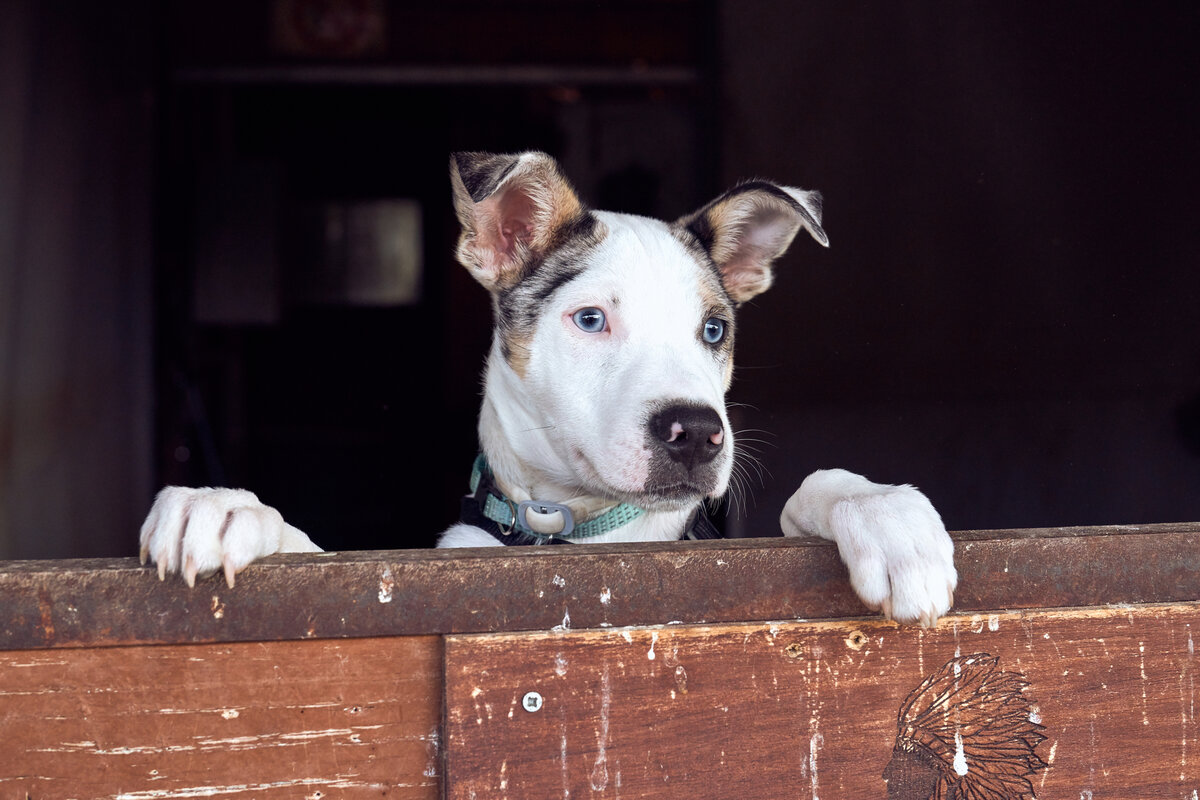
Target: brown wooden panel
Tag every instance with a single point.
(115, 601)
(271, 720)
(810, 709)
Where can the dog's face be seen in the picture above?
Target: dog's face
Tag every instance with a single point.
(617, 331)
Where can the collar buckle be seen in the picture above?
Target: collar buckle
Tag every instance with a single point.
(545, 519)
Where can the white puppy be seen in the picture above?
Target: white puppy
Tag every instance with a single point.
(603, 415)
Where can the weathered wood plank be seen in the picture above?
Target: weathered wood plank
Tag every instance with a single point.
(340, 719)
(810, 709)
(114, 602)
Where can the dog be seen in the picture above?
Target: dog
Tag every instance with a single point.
(603, 416)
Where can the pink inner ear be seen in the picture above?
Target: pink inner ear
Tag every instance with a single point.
(504, 223)
(747, 273)
(752, 245)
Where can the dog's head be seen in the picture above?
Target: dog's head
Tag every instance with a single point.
(614, 333)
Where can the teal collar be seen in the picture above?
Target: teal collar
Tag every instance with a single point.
(509, 515)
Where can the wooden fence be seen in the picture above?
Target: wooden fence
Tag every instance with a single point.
(688, 670)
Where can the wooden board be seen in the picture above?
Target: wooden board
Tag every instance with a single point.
(349, 719)
(326, 595)
(811, 709)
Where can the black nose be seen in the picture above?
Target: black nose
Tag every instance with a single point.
(691, 435)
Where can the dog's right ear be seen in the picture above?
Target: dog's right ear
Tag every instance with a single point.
(751, 225)
(510, 208)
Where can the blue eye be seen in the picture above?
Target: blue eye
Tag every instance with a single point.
(589, 320)
(714, 330)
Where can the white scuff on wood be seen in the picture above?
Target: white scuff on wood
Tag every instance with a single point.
(599, 775)
(387, 585)
(242, 788)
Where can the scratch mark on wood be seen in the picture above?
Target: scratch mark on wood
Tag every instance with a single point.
(562, 753)
(1142, 656)
(681, 679)
(46, 613)
(815, 743)
(215, 790)
(35, 663)
(599, 777)
(1049, 763)
(387, 584)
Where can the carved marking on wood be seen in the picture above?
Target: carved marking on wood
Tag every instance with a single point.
(969, 731)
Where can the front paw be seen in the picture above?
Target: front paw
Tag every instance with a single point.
(894, 544)
(200, 531)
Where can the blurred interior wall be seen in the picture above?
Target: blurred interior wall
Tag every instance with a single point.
(1006, 316)
(76, 113)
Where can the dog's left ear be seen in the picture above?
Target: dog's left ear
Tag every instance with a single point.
(748, 227)
(511, 208)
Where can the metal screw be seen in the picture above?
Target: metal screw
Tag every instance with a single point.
(532, 701)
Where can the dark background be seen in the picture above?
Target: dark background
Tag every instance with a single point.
(1006, 317)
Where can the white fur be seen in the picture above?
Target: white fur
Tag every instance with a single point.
(200, 531)
(572, 428)
(892, 540)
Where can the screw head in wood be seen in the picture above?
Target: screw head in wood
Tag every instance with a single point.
(532, 701)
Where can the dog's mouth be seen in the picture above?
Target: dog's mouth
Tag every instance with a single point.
(675, 494)
(671, 496)
(671, 492)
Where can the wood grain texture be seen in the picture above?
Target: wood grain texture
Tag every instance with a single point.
(352, 719)
(313, 596)
(810, 709)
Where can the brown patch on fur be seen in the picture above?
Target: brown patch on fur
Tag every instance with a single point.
(515, 347)
(719, 304)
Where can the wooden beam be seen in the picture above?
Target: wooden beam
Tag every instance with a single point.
(348, 719)
(1066, 703)
(369, 594)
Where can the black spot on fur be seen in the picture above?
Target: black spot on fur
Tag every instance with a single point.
(702, 231)
(519, 307)
(481, 173)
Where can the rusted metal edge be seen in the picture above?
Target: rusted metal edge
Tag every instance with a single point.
(105, 602)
